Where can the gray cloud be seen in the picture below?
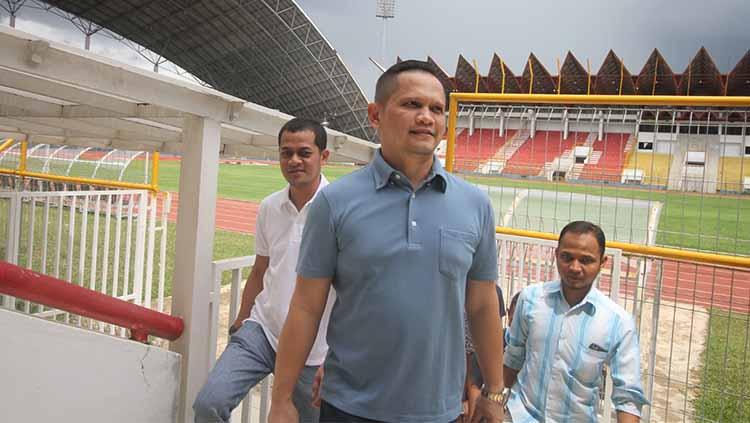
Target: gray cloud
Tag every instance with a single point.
(549, 28)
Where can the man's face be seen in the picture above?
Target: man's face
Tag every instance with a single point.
(412, 120)
(300, 158)
(578, 261)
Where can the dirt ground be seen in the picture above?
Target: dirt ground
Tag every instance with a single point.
(680, 341)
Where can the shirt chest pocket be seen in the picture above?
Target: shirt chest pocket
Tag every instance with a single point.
(456, 252)
(593, 357)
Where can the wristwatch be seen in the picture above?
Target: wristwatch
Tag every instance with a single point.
(498, 397)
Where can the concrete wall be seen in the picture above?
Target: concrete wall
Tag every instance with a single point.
(50, 372)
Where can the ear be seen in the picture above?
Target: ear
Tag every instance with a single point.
(324, 156)
(373, 114)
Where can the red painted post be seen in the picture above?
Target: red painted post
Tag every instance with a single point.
(43, 289)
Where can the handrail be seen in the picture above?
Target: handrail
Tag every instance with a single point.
(56, 293)
(7, 143)
(602, 99)
(646, 250)
(77, 180)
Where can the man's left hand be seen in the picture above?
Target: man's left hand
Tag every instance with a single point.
(317, 382)
(488, 411)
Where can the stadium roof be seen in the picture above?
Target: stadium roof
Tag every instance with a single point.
(54, 94)
(267, 52)
(701, 77)
(610, 73)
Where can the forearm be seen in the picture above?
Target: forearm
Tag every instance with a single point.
(253, 287)
(298, 336)
(623, 417)
(509, 376)
(486, 330)
(296, 341)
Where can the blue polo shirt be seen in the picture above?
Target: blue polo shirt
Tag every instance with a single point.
(399, 259)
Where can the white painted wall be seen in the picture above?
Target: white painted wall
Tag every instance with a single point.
(50, 372)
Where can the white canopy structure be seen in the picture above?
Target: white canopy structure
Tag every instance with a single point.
(55, 94)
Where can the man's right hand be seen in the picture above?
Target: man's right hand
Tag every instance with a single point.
(283, 412)
(235, 326)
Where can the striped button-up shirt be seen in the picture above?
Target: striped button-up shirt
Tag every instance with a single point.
(560, 350)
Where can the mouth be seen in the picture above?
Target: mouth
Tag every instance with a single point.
(295, 171)
(426, 132)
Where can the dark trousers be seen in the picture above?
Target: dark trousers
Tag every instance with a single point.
(331, 414)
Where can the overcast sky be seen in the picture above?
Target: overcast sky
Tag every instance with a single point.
(444, 29)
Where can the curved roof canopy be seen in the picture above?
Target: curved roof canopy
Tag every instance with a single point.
(267, 52)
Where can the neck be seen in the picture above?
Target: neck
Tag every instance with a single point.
(414, 167)
(575, 296)
(300, 195)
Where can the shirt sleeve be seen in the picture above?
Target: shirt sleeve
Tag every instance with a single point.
(625, 365)
(319, 249)
(515, 351)
(484, 265)
(261, 238)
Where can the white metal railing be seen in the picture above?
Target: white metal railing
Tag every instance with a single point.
(671, 310)
(248, 412)
(104, 240)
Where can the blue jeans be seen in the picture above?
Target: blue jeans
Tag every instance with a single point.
(247, 360)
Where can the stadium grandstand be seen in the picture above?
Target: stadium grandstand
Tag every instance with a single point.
(651, 147)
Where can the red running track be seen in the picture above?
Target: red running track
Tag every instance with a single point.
(231, 215)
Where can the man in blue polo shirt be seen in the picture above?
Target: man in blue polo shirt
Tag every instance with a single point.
(409, 249)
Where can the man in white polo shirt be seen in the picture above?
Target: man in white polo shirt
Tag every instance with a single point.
(251, 353)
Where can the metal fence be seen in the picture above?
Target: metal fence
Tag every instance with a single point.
(225, 304)
(693, 321)
(111, 241)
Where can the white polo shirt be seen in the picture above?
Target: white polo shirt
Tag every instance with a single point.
(278, 232)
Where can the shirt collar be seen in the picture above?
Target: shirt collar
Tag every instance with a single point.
(382, 173)
(286, 201)
(588, 303)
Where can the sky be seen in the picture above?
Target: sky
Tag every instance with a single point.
(478, 29)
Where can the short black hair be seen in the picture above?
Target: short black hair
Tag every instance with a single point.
(302, 124)
(583, 227)
(387, 81)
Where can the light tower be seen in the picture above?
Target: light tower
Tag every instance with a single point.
(386, 9)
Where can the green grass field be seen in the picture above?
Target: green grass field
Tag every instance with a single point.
(701, 222)
(725, 376)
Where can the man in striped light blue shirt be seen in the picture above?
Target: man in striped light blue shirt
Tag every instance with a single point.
(563, 333)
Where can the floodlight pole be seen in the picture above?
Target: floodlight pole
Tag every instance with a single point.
(386, 9)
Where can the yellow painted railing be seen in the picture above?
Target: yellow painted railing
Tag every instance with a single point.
(6, 144)
(22, 172)
(646, 250)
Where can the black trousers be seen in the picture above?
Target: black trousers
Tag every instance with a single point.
(331, 414)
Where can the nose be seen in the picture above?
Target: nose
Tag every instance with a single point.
(295, 159)
(424, 117)
(575, 266)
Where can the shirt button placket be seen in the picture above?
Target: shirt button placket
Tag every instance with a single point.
(412, 223)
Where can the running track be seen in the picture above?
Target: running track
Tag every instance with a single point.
(231, 215)
(687, 283)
